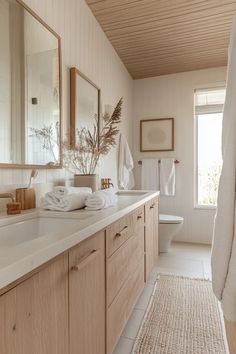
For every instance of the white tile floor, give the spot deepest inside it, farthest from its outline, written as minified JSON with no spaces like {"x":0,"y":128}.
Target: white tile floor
{"x":183,"y":259}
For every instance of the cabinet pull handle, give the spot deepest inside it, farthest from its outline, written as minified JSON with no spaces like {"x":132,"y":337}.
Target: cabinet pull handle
{"x":86,"y":260}
{"x":152,"y":206}
{"x":119,"y":234}
{"x":139,"y":217}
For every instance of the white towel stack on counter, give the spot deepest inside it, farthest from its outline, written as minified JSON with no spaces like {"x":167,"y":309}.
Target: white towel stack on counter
{"x":62,"y":191}
{"x":65,"y":198}
{"x":101,"y":199}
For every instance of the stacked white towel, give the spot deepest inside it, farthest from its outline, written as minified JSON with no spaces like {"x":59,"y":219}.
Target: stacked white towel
{"x":62,"y":191}
{"x":101,"y":199}
{"x":65,"y":198}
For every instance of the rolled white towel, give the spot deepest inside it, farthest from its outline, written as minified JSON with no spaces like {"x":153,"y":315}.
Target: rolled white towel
{"x":101,"y":200}
{"x":62,"y":191}
{"x":67,"y":203}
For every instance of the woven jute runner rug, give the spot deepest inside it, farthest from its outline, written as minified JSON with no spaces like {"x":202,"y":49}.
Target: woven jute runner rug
{"x":183,"y":317}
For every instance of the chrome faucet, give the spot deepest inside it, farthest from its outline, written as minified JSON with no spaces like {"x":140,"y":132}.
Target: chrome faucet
{"x":7,"y":195}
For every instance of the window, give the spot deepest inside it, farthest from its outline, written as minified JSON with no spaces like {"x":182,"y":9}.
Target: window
{"x":209,"y":114}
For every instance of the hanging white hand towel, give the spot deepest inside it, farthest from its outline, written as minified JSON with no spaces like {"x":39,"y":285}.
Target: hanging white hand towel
{"x":224,"y":242}
{"x":125,"y":165}
{"x":150,"y":174}
{"x":167,"y":177}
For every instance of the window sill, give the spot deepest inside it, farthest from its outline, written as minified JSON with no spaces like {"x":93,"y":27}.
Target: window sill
{"x":205,"y":207}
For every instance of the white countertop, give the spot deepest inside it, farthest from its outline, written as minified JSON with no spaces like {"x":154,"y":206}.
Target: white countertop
{"x":21,"y":259}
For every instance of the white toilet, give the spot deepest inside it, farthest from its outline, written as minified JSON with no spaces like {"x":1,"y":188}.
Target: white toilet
{"x":169,"y":225}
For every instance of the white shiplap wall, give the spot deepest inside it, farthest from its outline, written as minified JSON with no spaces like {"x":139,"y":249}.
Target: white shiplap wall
{"x":173,"y":96}
{"x":85,"y":46}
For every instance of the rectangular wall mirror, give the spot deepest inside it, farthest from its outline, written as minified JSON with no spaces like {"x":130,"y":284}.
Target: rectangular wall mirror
{"x":30,"y":86}
{"x":84,"y":103}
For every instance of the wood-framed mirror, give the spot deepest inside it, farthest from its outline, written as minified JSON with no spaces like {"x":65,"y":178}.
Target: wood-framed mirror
{"x":85,"y":103}
{"x":30,"y":108}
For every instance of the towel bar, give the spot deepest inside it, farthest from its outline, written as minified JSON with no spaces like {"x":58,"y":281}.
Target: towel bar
{"x":140,"y":161}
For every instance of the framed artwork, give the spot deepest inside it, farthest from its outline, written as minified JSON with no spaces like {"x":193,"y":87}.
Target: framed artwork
{"x":84,"y":103}
{"x":157,"y":134}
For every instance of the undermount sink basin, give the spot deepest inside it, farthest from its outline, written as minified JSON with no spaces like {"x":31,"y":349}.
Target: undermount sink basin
{"x":28,"y":230}
{"x":131,"y":193}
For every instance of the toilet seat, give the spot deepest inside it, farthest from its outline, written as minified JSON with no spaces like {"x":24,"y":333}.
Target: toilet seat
{"x":170,"y":219}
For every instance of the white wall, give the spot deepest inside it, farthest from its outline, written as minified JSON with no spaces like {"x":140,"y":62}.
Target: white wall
{"x":85,"y":46}
{"x":5,"y":83}
{"x":172,"y":96}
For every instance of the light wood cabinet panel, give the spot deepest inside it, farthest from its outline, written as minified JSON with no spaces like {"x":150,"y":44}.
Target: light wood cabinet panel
{"x":34,"y":314}
{"x":151,"y":235}
{"x":156,"y":229}
{"x":122,"y":264}
{"x":87,"y":296}
{"x":149,"y":238}
{"x":120,"y":310}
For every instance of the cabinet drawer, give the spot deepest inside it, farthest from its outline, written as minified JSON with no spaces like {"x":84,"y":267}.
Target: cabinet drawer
{"x":138,"y":219}
{"x":123,"y":263}
{"x":118,"y":233}
{"x":149,"y":207}
{"x":119,"y":311}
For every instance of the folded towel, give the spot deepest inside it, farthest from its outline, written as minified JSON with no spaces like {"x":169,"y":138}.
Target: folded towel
{"x":101,"y":199}
{"x":61,"y":191}
{"x":167,"y":177}
{"x":70,"y":202}
{"x":150,"y":174}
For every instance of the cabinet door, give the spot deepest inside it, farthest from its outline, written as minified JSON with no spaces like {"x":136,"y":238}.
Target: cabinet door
{"x":149,"y":238}
{"x":156,"y":228}
{"x":34,"y":314}
{"x":119,"y":311}
{"x":87,"y":296}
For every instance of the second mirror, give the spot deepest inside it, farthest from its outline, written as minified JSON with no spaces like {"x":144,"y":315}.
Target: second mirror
{"x":84,"y":104}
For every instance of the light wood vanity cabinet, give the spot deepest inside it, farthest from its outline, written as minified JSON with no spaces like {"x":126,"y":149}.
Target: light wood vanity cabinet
{"x":87,"y":296}
{"x":34,"y":314}
{"x":80,"y":302}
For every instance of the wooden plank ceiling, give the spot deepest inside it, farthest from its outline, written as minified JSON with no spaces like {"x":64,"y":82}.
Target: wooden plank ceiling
{"x":158,"y":37}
